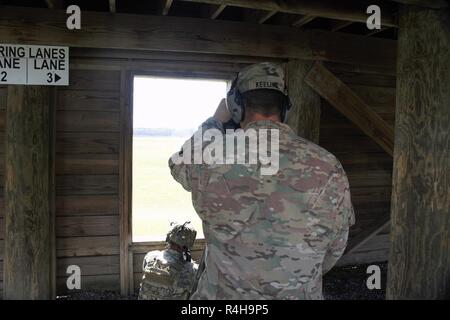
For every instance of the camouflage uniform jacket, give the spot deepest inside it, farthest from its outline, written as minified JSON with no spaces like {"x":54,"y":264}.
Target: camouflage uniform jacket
{"x":167,"y":276}
{"x":270,"y":237}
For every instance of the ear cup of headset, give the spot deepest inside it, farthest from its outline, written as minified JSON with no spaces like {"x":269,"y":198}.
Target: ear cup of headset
{"x":235,"y":104}
{"x":236,"y":108}
{"x":287,"y":104}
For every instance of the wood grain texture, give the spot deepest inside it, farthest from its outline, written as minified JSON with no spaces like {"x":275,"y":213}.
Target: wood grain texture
{"x":87,"y":226}
{"x":90,"y":164}
{"x":304,"y":117}
{"x":83,"y":205}
{"x":86,"y":121}
{"x":87,"y":246}
{"x":90,"y":266}
{"x":28,"y":186}
{"x":419,"y":264}
{"x":125,"y":182}
{"x":87,"y":185}
{"x":106,"y":282}
{"x":87,"y":100}
{"x":351,"y":11}
{"x":354,"y":108}
{"x":87,"y":143}
{"x":125,"y":31}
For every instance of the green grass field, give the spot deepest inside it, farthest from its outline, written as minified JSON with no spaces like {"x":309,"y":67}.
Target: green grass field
{"x":157,"y":198}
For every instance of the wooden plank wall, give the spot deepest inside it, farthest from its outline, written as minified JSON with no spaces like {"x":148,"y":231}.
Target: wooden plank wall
{"x":87,"y":178}
{"x":3,"y":97}
{"x":368,"y":167}
{"x":87,"y":164}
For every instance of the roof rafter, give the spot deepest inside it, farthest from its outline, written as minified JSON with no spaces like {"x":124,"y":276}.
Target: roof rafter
{"x":164,"y":7}
{"x":350,"y":11}
{"x":55,"y":4}
{"x":216,"y":10}
{"x":31,"y":25}
{"x":303,"y":20}
{"x":112,"y":6}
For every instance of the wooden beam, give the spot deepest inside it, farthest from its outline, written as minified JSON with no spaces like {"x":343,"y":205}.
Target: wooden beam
{"x":112,"y":6}
{"x":266,"y":16}
{"x":436,"y":4}
{"x":125,"y":181}
{"x":42,"y":26}
{"x":340,"y":96}
{"x":216,"y":10}
{"x":164,"y":7}
{"x":369,"y":232}
{"x":338,"y":25}
{"x":55,"y":4}
{"x":376,"y":31}
{"x":302,"y":21}
{"x":29,"y":182}
{"x":258,"y":16}
{"x":304,"y":117}
{"x":346,"y":10}
{"x":419,"y":263}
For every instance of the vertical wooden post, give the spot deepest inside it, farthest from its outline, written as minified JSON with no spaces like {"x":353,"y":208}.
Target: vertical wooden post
{"x":419,"y":265}
{"x":125,"y":182}
{"x":29,"y":225}
{"x":304,"y":117}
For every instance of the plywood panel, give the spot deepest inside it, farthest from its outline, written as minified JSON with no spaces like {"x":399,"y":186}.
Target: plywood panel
{"x":89,"y":100}
{"x":73,"y":205}
{"x":3,"y":97}
{"x":90,"y":265}
{"x":94,"y":282}
{"x":87,"y":246}
{"x":87,"y":185}
{"x":103,"y":80}
{"x":85,"y":121}
{"x":2,"y":229}
{"x":87,"y":226}
{"x":86,"y":143}
{"x":90,"y":164}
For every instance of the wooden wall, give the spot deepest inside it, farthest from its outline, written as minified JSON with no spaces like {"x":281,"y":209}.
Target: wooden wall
{"x":3,"y":96}
{"x":87,"y":177}
{"x":88,"y":147}
{"x":368,"y":167}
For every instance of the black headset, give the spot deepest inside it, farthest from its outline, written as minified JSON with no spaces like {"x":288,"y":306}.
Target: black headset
{"x":235,"y":104}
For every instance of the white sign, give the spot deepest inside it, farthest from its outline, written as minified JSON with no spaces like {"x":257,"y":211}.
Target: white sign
{"x":34,"y":65}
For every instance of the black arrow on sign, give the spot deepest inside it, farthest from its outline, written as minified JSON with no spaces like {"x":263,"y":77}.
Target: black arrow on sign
{"x":57,"y":77}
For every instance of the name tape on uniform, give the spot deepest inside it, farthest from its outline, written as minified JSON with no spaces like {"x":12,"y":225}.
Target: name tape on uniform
{"x":34,"y":65}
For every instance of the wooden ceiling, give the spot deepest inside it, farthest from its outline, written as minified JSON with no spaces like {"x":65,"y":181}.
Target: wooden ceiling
{"x":347,"y":16}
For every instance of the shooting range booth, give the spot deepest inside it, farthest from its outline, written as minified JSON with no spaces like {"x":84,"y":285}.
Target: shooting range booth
{"x":378,"y":99}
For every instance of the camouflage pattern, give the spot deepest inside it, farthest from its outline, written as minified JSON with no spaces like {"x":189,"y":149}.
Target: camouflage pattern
{"x":270,"y":237}
{"x":167,"y":276}
{"x":182,"y":235}
{"x":265,"y":75}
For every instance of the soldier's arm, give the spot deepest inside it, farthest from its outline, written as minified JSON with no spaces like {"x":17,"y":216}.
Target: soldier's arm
{"x":345,"y":218}
{"x":336,"y":249}
{"x":181,"y":169}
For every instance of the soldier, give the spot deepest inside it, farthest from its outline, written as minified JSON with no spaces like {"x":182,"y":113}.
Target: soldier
{"x":169,"y":274}
{"x":267,"y":237}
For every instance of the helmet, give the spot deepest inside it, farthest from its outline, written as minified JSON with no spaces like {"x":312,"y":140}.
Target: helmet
{"x":265,"y":75}
{"x":181,"y":235}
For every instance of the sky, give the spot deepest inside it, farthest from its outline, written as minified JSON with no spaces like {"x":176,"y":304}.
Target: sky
{"x":175,"y":103}
{"x":169,"y":104}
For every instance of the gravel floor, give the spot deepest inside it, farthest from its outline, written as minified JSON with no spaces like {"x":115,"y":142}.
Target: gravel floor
{"x":346,"y":283}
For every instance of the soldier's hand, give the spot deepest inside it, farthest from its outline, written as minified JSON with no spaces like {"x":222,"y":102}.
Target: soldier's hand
{"x":222,"y":114}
